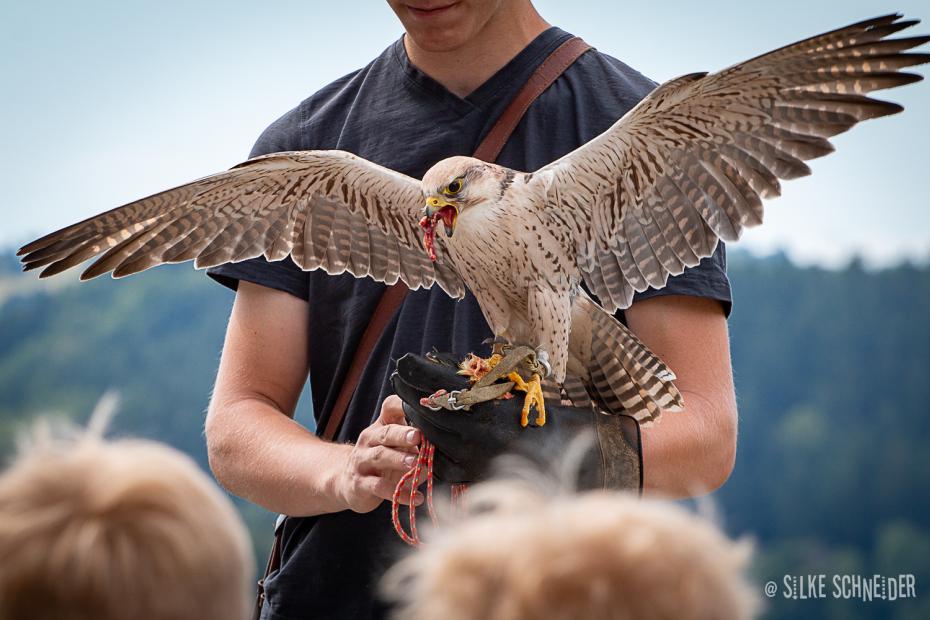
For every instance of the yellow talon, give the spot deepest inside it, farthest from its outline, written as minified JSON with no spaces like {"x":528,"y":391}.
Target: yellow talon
{"x":475,"y":368}
{"x":534,"y":397}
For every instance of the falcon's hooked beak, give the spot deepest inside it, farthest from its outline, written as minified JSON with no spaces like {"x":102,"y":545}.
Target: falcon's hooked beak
{"x":438,"y":208}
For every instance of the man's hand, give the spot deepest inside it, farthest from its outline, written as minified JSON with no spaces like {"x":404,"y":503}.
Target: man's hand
{"x":383,"y":453}
{"x":259,"y":452}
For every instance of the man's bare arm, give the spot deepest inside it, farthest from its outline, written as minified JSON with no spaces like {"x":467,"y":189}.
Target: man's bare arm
{"x":691,"y":452}
{"x":259,"y":452}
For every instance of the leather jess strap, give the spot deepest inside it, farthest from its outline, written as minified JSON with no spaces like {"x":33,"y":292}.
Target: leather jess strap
{"x":490,"y":147}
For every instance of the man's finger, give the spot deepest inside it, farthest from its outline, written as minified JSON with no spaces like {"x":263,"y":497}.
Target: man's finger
{"x":394,"y":436}
{"x":384,"y":459}
{"x":384,"y":488}
{"x":392,"y":411}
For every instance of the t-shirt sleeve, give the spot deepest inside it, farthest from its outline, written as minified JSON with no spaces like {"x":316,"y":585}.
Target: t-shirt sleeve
{"x":280,"y":275}
{"x":283,"y":275}
{"x":706,"y":279}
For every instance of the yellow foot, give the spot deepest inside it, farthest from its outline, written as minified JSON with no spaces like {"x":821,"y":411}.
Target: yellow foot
{"x":534,"y":398}
{"x":475,"y":367}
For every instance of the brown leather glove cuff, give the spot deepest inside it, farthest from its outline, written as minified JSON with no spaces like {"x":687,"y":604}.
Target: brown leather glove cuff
{"x":619,"y":446}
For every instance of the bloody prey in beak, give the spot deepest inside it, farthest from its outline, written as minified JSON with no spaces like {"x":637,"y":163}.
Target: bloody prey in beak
{"x":448,"y":214}
{"x":428,"y":224}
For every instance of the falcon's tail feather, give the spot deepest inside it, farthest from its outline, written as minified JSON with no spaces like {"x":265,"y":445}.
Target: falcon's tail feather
{"x":622,"y":374}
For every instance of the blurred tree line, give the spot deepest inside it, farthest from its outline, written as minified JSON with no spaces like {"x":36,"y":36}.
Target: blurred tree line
{"x":832,"y":372}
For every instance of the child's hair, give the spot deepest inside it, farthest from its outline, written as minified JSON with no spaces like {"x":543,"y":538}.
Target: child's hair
{"x":608,"y":556}
{"x":123,"y":529}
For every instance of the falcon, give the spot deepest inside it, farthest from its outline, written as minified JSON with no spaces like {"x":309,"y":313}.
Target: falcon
{"x":688,"y":166}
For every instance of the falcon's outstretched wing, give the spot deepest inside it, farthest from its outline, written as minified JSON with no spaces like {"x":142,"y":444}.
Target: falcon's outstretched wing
{"x":329,"y":210}
{"x":692,"y":161}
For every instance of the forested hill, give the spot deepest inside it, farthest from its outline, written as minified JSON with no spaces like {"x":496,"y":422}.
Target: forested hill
{"x":832,"y":370}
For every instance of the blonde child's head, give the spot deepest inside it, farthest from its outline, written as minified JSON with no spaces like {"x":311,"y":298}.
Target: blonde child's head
{"x":91,"y":528}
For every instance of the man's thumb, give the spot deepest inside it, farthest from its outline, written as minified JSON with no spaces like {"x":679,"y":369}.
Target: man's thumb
{"x":392,"y":410}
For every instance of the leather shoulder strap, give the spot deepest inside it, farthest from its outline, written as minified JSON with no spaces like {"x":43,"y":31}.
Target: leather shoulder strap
{"x":548,"y":72}
{"x":490,"y":147}
{"x":387,"y":306}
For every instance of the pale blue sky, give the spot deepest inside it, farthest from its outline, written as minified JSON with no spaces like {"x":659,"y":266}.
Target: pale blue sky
{"x":106,"y":102}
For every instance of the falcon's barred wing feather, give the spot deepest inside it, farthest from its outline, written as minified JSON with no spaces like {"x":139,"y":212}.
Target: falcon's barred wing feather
{"x":693,"y":160}
{"x":329,"y":210}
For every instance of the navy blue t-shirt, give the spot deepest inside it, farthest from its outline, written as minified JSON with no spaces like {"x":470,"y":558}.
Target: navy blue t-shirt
{"x":393,"y":114}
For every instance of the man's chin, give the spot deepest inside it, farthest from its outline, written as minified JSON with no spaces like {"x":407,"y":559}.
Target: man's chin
{"x":435,"y":40}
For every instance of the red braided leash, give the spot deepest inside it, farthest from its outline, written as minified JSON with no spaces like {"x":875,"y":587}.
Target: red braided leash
{"x":423,"y":465}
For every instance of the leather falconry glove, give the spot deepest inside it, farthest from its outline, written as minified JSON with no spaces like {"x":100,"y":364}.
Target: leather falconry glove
{"x":467,"y":441}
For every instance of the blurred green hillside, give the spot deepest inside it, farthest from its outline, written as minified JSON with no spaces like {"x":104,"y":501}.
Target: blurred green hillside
{"x":832,"y":371}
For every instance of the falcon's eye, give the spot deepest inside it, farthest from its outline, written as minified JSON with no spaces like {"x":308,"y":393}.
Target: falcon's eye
{"x":453,"y":188}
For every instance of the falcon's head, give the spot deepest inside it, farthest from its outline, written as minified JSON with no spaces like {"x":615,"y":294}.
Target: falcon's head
{"x":453,"y":186}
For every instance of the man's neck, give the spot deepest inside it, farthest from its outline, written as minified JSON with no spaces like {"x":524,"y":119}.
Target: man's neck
{"x":466,"y":68}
